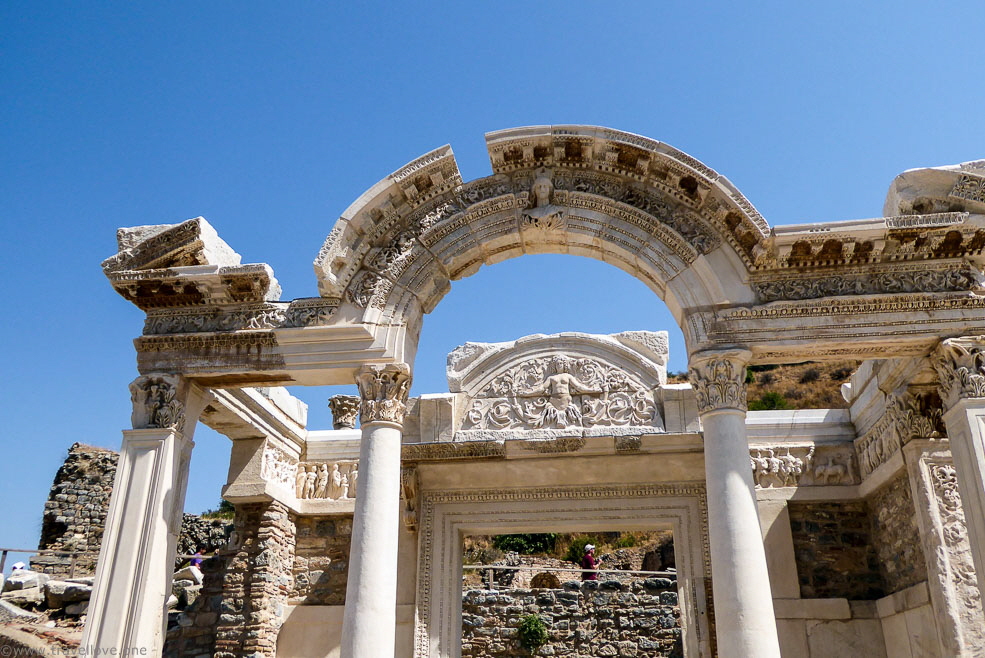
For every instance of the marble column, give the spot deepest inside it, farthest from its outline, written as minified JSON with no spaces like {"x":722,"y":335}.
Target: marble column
{"x":136,"y":560}
{"x":744,"y":621}
{"x":960,"y":365}
{"x":371,"y":594}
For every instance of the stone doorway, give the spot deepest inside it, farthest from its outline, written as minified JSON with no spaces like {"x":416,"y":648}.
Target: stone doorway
{"x":447,"y":517}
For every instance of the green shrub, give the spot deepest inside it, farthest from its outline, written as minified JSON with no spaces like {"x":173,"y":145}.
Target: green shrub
{"x":750,"y":377}
{"x":532,"y":633}
{"x":625,"y":541}
{"x":576,"y":551}
{"x":769,"y":401}
{"x":526,"y":544}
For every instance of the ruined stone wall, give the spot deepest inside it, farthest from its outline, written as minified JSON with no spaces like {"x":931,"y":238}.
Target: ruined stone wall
{"x":75,"y":512}
{"x":833,"y":548}
{"x":896,"y":536}
{"x":75,"y":515}
{"x":321,"y":562}
{"x":591,"y":618}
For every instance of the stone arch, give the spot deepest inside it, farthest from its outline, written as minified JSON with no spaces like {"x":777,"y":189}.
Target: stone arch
{"x":643,"y":206}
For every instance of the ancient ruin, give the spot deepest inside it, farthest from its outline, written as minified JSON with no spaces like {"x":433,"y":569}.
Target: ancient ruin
{"x":797,"y":533}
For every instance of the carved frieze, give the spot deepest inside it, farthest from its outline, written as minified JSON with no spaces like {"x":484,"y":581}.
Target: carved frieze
{"x":803,"y":465}
{"x":344,"y":408}
{"x":326,"y":480}
{"x":558,"y":392}
{"x":409,"y":492}
{"x":383,"y":391}
{"x":906,"y":417}
{"x":719,"y":379}
{"x":156,"y":402}
{"x":278,"y":466}
{"x":930,"y":279}
{"x":960,"y":366}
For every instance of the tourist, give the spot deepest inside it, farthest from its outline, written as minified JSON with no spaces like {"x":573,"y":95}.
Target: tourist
{"x":589,"y":562}
{"x":197,"y":560}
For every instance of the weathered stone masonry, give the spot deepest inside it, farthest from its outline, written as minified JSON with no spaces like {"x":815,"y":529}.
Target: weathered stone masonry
{"x":591,"y":618}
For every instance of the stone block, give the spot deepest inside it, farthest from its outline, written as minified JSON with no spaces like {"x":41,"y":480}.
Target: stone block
{"x":24,"y":579}
{"x":77,"y":609}
{"x":12,"y":612}
{"x":58,"y":593}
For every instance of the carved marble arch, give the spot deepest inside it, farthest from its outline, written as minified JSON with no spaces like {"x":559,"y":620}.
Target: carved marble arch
{"x":647,"y":208}
{"x":858,"y":289}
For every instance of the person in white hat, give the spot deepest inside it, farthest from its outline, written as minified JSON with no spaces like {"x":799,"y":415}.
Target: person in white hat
{"x":589,"y":562}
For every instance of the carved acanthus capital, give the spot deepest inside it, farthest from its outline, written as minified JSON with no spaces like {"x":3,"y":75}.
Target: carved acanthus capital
{"x":383,"y":390}
{"x":960,"y":366}
{"x":719,"y":379}
{"x":344,"y":409}
{"x":158,"y":401}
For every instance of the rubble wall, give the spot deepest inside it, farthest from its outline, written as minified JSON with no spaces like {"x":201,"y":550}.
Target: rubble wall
{"x":591,"y":618}
{"x":75,"y":515}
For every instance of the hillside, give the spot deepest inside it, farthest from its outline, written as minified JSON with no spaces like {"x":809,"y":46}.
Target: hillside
{"x":797,"y":386}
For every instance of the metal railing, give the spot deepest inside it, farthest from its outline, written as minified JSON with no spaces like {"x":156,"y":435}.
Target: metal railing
{"x":73,"y":555}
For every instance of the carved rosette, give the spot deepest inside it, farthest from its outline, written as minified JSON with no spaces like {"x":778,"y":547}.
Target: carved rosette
{"x":344,"y":409}
{"x":156,"y":402}
{"x":383,"y":391}
{"x":960,"y":366}
{"x":719,"y":379}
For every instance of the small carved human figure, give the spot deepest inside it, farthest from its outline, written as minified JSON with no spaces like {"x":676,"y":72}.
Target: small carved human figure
{"x":321,"y":486}
{"x":299,"y":481}
{"x":353,"y":476}
{"x":345,"y":486}
{"x":335,"y":491}
{"x":542,"y":213}
{"x":561,"y":411}
{"x":309,"y":482}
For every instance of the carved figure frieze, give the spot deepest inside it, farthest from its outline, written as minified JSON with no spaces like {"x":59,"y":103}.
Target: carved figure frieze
{"x":960,"y":366}
{"x":719,"y":380}
{"x":409,"y":492}
{"x":803,"y":465}
{"x":383,"y":391}
{"x":558,"y":392}
{"x":326,"y":481}
{"x":344,"y":408}
{"x":277,"y":466}
{"x":156,"y":402}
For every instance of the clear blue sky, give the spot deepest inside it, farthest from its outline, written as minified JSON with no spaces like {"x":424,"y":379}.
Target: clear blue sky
{"x":270,"y":119}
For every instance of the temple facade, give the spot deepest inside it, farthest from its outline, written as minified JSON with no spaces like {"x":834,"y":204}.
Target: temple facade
{"x":805,"y":533}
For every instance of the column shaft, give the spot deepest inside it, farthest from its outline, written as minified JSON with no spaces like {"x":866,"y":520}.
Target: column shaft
{"x":744,"y":620}
{"x":745,"y":625}
{"x":369,"y":621}
{"x":136,"y":560}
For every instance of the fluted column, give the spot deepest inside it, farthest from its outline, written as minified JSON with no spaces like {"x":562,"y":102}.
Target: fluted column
{"x":960,"y":365}
{"x":136,"y":560}
{"x":371,"y":593}
{"x":744,"y":620}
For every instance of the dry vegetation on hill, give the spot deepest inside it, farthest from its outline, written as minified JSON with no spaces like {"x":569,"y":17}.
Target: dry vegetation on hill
{"x":797,"y":386}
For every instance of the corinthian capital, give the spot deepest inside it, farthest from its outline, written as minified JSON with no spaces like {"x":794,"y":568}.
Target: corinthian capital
{"x":960,"y":366}
{"x":719,"y":379}
{"x":383,"y":390}
{"x":344,"y":409}
{"x":158,"y":401}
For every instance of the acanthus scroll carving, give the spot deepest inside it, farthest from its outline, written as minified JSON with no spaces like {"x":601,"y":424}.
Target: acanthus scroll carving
{"x":954,"y":532}
{"x":156,"y":402}
{"x":907,"y":416}
{"x":960,"y":366}
{"x":383,"y":391}
{"x":719,"y":380}
{"x":559,"y":392}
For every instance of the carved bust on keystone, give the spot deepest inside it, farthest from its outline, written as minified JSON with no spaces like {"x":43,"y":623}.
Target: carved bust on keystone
{"x":542,"y":213}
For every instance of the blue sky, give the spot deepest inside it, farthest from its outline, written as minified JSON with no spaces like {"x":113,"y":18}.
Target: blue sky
{"x":270,"y":119}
